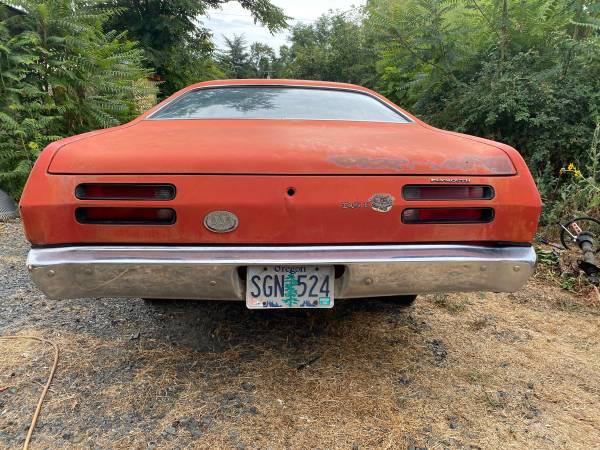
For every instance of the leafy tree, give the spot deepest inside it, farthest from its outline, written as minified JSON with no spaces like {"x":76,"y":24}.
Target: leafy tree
{"x":334,"y":48}
{"x":235,"y":59}
{"x":183,"y":67}
{"x":61,"y":74}
{"x":239,"y":61}
{"x":281,"y":62}
{"x":262,"y":59}
{"x":514,"y":71}
{"x":176,"y":45}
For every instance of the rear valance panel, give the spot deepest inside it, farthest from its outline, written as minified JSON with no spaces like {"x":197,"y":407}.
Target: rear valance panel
{"x":271,"y":210}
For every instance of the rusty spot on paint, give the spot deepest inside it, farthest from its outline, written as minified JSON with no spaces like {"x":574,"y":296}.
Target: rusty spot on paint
{"x":364,"y":162}
{"x":488,"y":164}
{"x":493,"y":164}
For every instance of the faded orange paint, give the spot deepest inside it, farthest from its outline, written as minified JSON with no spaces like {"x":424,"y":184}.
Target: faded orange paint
{"x":247,"y":166}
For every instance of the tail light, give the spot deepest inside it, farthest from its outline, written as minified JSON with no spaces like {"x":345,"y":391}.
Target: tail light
{"x":447,"y":215}
{"x":447,"y":192}
{"x":125,"y":216}
{"x":125,"y":191}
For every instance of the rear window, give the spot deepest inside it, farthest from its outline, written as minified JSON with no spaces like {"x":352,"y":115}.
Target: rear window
{"x":264,"y":102}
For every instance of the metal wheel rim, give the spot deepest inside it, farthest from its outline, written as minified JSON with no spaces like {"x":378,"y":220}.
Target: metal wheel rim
{"x":566,"y":240}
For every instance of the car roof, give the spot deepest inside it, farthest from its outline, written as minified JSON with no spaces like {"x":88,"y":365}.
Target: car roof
{"x":276,"y":82}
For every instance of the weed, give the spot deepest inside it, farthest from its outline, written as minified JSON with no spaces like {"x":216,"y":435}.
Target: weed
{"x":474,"y":376}
{"x":567,"y":304}
{"x":495,"y":401}
{"x":440,"y":299}
{"x":445,"y":301}
{"x":547,"y":257}
{"x":568,"y":282}
{"x":479,"y":323}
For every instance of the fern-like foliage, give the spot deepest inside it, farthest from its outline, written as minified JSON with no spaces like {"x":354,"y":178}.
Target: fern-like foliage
{"x":28,"y":115}
{"x":61,"y":74}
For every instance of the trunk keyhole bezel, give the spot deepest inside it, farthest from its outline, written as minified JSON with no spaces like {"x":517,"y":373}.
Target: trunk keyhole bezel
{"x":291,"y":191}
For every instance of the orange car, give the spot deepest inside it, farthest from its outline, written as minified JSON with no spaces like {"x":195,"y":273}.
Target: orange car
{"x":282,"y":193}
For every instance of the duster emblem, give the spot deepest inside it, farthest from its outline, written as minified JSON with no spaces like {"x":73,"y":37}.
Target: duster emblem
{"x":221,"y":221}
{"x":381,"y":202}
{"x":450,"y":180}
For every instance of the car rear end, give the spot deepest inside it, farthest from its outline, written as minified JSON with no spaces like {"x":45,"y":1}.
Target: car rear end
{"x":228,"y":209}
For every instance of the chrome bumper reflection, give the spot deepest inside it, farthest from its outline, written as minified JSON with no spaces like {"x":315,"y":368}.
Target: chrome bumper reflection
{"x":213,"y":272}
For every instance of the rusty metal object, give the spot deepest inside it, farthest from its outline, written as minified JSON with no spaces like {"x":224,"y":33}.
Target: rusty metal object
{"x":588,"y":264}
{"x":582,"y":233}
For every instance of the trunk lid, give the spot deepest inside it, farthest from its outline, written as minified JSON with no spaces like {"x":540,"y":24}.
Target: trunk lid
{"x":283,"y":147}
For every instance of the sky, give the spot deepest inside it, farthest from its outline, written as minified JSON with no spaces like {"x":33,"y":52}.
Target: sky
{"x":233,"y":19}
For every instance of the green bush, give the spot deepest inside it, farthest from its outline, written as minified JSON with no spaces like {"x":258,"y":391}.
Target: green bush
{"x":578,"y":190}
{"x":520,"y":72}
{"x":61,"y":74}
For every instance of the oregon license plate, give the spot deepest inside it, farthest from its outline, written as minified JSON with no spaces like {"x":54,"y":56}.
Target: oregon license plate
{"x":289,"y":287}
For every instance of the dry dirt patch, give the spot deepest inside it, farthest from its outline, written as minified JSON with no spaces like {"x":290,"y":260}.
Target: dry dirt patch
{"x":457,"y":371}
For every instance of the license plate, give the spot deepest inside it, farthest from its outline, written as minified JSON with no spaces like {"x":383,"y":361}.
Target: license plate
{"x":289,"y":287}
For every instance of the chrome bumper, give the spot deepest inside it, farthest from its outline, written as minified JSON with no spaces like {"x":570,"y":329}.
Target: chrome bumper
{"x":213,"y":272}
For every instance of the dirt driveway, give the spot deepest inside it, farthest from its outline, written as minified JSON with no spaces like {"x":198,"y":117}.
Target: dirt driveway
{"x":458,"y":371}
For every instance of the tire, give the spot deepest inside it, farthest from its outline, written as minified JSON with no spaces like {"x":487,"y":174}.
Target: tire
{"x":169,"y":301}
{"x":157,"y":301}
{"x":403,"y":300}
{"x":8,"y":208}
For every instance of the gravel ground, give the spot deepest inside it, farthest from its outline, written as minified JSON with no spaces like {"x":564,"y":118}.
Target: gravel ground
{"x":452,"y":371}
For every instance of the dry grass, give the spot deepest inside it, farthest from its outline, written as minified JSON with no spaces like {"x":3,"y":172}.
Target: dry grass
{"x":24,"y":367}
{"x":501,"y":371}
